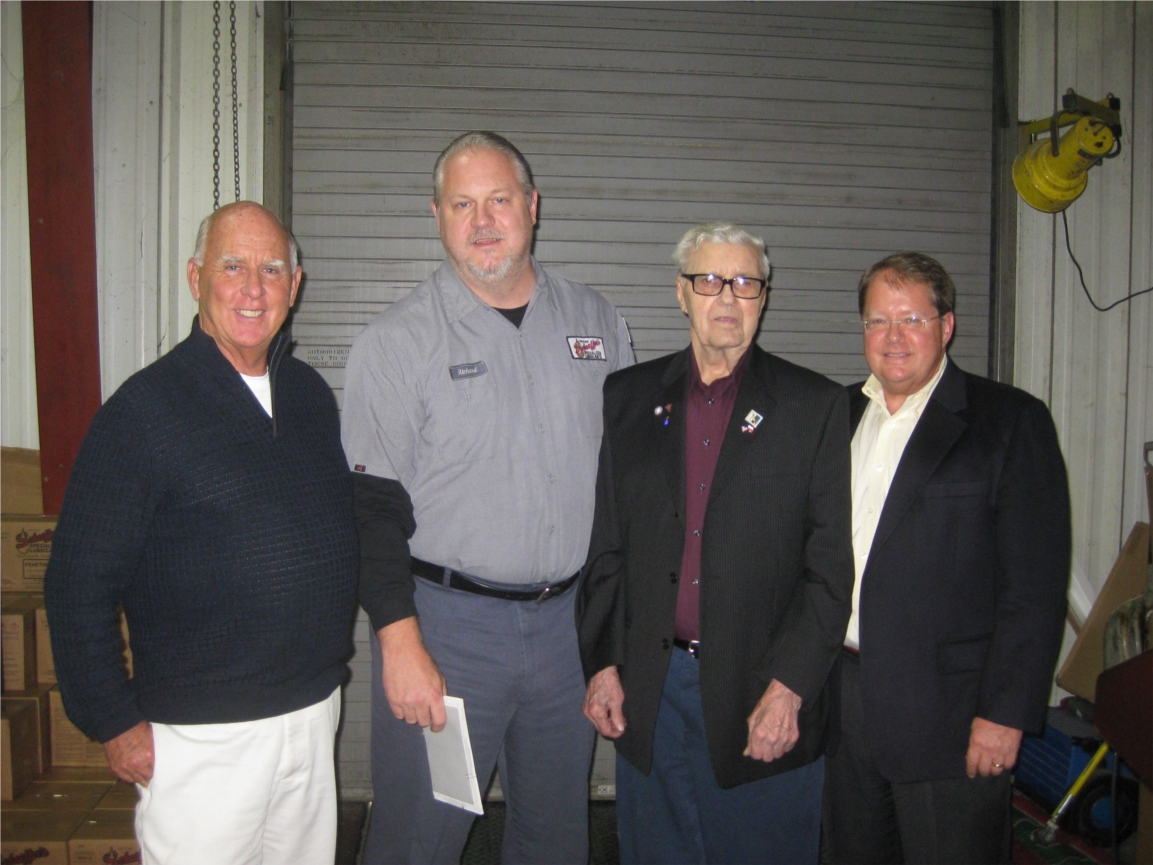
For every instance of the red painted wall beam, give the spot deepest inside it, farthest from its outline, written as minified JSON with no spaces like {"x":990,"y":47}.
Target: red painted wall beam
{"x":62,"y":231}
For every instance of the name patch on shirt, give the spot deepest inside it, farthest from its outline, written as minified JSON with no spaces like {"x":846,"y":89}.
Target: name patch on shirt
{"x":587,"y":347}
{"x":467,"y":370}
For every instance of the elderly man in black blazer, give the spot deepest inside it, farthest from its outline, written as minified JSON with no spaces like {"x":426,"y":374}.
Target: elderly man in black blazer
{"x":718,"y":584}
{"x":961,"y":537}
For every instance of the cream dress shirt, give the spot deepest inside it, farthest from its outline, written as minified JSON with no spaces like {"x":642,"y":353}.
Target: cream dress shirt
{"x":877,"y":447}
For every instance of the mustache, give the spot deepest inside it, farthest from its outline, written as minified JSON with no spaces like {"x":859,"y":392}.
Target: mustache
{"x":485,"y":234}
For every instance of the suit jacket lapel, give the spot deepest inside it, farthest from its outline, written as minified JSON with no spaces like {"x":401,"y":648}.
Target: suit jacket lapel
{"x":671,"y":439}
{"x":858,"y":402}
{"x":936,"y":432}
{"x":755,"y":394}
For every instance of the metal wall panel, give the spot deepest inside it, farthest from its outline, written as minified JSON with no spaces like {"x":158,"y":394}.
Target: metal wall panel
{"x":838,"y":132}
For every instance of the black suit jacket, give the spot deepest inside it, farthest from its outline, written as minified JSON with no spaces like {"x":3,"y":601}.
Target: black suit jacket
{"x":776,"y":563}
{"x":963,"y":599}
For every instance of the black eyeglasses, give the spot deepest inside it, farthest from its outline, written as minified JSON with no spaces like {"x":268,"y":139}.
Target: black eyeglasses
{"x":710,"y":285}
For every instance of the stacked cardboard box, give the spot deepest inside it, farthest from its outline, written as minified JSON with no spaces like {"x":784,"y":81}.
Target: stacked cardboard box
{"x":62,"y":804}
{"x":18,"y":640}
{"x":62,"y":822}
{"x":37,"y":732}
{"x":18,"y":744}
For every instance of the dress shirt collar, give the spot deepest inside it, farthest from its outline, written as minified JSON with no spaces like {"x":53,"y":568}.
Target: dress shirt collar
{"x":459,"y":299}
{"x":914,"y":403}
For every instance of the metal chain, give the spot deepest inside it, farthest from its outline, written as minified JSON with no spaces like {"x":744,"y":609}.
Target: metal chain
{"x":235,"y":104}
{"x":215,"y":104}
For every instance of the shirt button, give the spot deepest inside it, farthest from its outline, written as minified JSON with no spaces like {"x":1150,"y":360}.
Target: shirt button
{"x":879,"y":468}
{"x":541,"y":428}
{"x":672,"y":576}
{"x":552,"y":479}
{"x":696,"y":582}
{"x":710,"y":402}
{"x":702,"y":486}
{"x":697,"y":532}
{"x":706,"y":442}
{"x":551,"y":529}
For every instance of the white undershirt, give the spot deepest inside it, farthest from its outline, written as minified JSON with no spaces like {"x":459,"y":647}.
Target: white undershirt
{"x":261,"y":389}
{"x":878,"y":445}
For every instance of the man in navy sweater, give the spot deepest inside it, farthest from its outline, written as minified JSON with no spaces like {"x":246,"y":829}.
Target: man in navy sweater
{"x":211,"y":500}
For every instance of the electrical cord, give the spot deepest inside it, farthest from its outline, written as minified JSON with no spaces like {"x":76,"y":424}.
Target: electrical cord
{"x":1081,"y":274}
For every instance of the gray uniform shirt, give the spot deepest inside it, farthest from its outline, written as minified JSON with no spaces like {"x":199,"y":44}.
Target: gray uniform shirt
{"x":492,"y":429}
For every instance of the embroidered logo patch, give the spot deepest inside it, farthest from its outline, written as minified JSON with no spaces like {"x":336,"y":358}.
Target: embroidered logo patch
{"x":467,"y":370}
{"x":359,"y":468}
{"x":587,"y":347}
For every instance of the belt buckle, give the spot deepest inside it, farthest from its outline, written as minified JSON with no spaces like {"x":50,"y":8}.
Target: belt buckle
{"x":695,"y":648}
{"x":544,"y":595}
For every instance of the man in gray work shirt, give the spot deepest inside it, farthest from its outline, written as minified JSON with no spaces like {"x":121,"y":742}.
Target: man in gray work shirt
{"x":479,"y":396}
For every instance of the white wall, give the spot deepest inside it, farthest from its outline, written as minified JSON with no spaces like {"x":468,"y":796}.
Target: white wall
{"x":1092,"y":368}
{"x":152,"y":125}
{"x":18,"y":421}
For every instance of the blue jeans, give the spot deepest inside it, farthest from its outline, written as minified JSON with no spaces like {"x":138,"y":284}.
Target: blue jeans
{"x":678,"y":813}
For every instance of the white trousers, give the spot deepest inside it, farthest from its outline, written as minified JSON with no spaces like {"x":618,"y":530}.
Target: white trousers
{"x":252,"y":793}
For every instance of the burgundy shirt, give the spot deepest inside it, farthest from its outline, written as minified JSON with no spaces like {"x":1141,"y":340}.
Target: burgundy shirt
{"x":707,"y":411}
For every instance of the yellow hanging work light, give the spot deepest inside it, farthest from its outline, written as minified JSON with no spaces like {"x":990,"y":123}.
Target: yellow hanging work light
{"x":1051,"y":172}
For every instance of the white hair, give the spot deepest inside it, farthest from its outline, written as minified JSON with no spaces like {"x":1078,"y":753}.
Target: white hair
{"x":720,"y":232}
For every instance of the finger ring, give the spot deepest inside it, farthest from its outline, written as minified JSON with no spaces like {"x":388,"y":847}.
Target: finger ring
{"x":998,"y":765}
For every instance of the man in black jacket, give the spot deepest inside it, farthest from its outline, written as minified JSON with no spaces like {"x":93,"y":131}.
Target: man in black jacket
{"x":718,"y":581}
{"x":961,"y":536}
{"x":211,"y":499}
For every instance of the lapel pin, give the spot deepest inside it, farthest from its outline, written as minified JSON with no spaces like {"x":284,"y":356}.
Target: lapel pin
{"x":752,"y":421}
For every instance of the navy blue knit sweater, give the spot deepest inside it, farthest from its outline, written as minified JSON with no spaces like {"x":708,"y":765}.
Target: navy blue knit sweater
{"x":229,"y":541}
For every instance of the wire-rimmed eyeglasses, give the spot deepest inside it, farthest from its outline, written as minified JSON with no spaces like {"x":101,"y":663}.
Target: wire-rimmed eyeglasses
{"x":710,"y":285}
{"x":911,"y":322}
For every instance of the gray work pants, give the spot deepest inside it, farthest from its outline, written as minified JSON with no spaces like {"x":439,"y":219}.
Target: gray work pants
{"x":517,"y":667}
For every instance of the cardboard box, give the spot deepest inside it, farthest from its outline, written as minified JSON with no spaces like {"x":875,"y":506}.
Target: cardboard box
{"x":45,"y":667}
{"x":121,"y":796}
{"x":18,"y":640}
{"x":70,"y":747}
{"x":95,"y":775}
{"x":18,"y":744}
{"x":1086,"y":659}
{"x":25,"y":544}
{"x":58,"y":796}
{"x":37,"y":698}
{"x":99,"y":841}
{"x":37,"y":837}
{"x":21,"y":484}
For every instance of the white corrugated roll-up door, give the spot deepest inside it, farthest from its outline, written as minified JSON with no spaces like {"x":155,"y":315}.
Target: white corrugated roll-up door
{"x":838,"y":132}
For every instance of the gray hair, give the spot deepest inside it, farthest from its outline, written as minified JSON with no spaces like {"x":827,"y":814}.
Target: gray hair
{"x":917,"y":268}
{"x":210,"y":220}
{"x":481,"y":140}
{"x":720,"y":232}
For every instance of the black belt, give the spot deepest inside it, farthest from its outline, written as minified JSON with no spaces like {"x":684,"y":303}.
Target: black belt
{"x":693,"y":647}
{"x":456,"y":580}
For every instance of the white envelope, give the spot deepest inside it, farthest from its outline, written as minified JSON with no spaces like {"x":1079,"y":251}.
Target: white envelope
{"x":450,"y":760}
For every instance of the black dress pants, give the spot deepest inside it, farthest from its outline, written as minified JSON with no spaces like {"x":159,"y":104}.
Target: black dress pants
{"x":868,"y":819}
